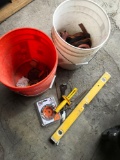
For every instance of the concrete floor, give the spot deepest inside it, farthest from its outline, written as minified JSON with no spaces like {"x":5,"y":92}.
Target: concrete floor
{"x":22,"y":137}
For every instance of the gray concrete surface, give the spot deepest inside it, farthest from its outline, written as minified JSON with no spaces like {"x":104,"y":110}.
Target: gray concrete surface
{"x":22,"y":137}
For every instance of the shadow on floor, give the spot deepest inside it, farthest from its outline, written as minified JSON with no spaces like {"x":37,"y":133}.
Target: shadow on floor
{"x":107,"y":151}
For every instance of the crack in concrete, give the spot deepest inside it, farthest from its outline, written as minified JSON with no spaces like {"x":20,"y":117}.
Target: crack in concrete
{"x":112,"y":16}
{"x":114,"y":13}
{"x":114,"y":23}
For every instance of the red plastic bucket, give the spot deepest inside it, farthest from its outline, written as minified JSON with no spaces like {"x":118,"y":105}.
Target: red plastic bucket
{"x":21,"y":48}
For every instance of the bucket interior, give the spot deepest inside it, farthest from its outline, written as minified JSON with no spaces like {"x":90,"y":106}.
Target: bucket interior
{"x":73,"y":12}
{"x":22,"y":50}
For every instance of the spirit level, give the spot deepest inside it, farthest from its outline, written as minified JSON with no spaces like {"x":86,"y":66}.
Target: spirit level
{"x":79,"y":108}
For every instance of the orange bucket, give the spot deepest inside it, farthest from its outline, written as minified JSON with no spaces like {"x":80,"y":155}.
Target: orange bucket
{"x":23,"y":49}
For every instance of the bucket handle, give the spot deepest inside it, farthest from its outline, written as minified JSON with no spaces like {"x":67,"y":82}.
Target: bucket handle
{"x":81,"y":63}
{"x":88,"y":61}
{"x":52,"y":81}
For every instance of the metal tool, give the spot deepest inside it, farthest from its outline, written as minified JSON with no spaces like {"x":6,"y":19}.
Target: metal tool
{"x":66,"y":100}
{"x":79,"y":108}
{"x":63,"y":88}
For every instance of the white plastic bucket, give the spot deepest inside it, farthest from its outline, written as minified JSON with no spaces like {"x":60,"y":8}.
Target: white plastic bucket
{"x":67,"y":16}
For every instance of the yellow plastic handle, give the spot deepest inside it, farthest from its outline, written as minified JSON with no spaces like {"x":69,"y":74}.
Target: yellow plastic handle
{"x":61,"y":105}
{"x":72,"y":93}
{"x":66,"y":100}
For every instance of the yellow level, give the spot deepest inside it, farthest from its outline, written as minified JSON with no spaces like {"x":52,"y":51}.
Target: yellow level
{"x":79,"y":108}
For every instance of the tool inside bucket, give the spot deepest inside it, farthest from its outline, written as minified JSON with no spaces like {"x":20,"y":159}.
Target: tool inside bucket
{"x":31,"y":73}
{"x":80,"y":39}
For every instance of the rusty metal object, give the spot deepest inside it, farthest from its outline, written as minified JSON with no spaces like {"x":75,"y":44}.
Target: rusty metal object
{"x":84,"y":46}
{"x":64,"y":35}
{"x":83,"y":41}
{"x":77,"y":38}
{"x":80,"y":39}
{"x":37,"y":74}
{"x":83,"y":28}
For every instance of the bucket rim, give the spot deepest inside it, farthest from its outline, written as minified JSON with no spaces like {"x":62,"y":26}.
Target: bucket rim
{"x":53,"y":68}
{"x":23,"y":28}
{"x":92,"y":48}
